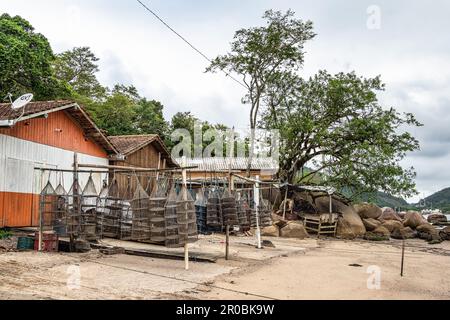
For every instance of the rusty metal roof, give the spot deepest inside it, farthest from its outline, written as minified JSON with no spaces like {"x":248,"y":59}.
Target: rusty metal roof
{"x":129,"y":144}
{"x":76,"y":112}
{"x":223,"y":163}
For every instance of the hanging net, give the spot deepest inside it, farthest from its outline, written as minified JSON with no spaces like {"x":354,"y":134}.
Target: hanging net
{"x":200,"y":212}
{"x":242,"y":206}
{"x":88,"y":218}
{"x":48,"y":206}
{"x":73,"y":217}
{"x":158,"y":200}
{"x":60,"y":219}
{"x":264,"y":214}
{"x":187,"y":222}
{"x":228,"y":209}
{"x":140,"y":230}
{"x":171,"y":220}
{"x":213,"y":217}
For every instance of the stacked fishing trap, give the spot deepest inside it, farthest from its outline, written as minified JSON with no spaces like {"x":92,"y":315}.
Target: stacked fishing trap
{"x":186,"y":218}
{"x":200,"y":211}
{"x":141,"y":214}
{"x":213,"y":215}
{"x":172,"y":236}
{"x":157,"y":204}
{"x":228,"y":209}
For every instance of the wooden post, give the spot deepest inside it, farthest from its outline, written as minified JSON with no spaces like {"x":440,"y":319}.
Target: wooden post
{"x":159,"y":165}
{"x":75,"y":197}
{"x":403,"y":258}
{"x":41,"y":226}
{"x":256,"y":196}
{"x":285,"y":200}
{"x":186,"y":248}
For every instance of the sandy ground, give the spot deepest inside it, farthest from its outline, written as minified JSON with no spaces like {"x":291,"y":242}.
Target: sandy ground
{"x":294,"y":269}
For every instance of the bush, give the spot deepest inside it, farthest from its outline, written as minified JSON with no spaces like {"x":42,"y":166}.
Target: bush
{"x":5,"y":234}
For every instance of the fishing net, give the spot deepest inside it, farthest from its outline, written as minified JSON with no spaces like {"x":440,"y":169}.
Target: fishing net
{"x":88,"y":216}
{"x":73,"y":217}
{"x":187,"y":222}
{"x":48,"y":206}
{"x":140,"y":206}
{"x":228,"y":209}
{"x":213,"y":217}
{"x":171,"y":220}
{"x":200,"y":211}
{"x":264,"y":214}
{"x":157,"y":204}
{"x":110,"y":209}
{"x":60,"y":219}
{"x":242,"y":206}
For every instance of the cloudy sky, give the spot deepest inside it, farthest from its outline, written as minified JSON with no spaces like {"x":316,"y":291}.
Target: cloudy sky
{"x":408,"y":46}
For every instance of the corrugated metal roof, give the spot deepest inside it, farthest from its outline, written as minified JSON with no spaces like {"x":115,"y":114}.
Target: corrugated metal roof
{"x":223,"y":163}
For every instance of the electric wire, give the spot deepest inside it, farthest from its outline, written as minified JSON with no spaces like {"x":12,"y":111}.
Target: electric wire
{"x":187,"y":42}
{"x":183,"y":280}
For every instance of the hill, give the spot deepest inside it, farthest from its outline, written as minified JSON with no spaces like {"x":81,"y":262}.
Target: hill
{"x":439,"y":200}
{"x":383,"y":199}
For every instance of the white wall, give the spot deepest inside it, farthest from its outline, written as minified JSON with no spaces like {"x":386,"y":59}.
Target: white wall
{"x":19,"y":157}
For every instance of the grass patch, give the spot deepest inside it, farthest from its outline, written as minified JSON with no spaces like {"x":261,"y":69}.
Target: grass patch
{"x":5,"y":234}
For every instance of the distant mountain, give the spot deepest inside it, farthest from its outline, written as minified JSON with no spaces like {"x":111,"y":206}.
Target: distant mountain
{"x":439,"y":200}
{"x":383,"y":199}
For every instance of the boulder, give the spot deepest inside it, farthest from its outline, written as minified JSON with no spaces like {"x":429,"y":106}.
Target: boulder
{"x":389,"y":214}
{"x":401,"y":214}
{"x":350,"y":225}
{"x":413,"y":219}
{"x":383,"y":231}
{"x":278,"y":220}
{"x":403,"y":233}
{"x":445,"y":233}
{"x":371,"y":224}
{"x":427,"y":232}
{"x":392,"y":225}
{"x":270,"y":231}
{"x":437,"y":218}
{"x":371,"y":236}
{"x":368,"y":210}
{"x":294,"y":230}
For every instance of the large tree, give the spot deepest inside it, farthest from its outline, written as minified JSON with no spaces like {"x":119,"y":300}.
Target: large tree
{"x":78,"y":67}
{"x":258,"y":54}
{"x":25,"y":61}
{"x":335,"y":125}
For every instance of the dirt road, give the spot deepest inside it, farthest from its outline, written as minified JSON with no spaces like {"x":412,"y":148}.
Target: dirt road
{"x":321,"y":270}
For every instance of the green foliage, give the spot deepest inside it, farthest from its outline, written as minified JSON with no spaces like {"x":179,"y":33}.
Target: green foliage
{"x":258,"y":54}
{"x":5,"y":234}
{"x":78,"y":67}
{"x":25,"y":61}
{"x":186,"y":120}
{"x":334,"y":124}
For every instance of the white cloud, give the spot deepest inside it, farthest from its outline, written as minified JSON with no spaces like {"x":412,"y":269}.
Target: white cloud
{"x":410,"y":52}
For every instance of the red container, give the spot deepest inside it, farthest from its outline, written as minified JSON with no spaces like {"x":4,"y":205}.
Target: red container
{"x":50,"y":242}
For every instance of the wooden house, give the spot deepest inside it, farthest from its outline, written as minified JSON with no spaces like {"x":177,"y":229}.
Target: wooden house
{"x":46,"y":135}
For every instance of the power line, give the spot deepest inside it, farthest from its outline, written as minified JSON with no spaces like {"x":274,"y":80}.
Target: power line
{"x":187,"y":42}
{"x":183,"y":280}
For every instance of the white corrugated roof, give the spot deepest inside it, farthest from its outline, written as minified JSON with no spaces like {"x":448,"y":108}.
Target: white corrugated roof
{"x":223,"y":163}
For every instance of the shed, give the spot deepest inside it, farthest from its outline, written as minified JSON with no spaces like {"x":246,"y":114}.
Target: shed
{"x":218,"y":167}
{"x":142,"y":151}
{"x":47,"y":136}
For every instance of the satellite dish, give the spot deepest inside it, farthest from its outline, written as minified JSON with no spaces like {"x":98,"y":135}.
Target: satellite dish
{"x":22,"y":101}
